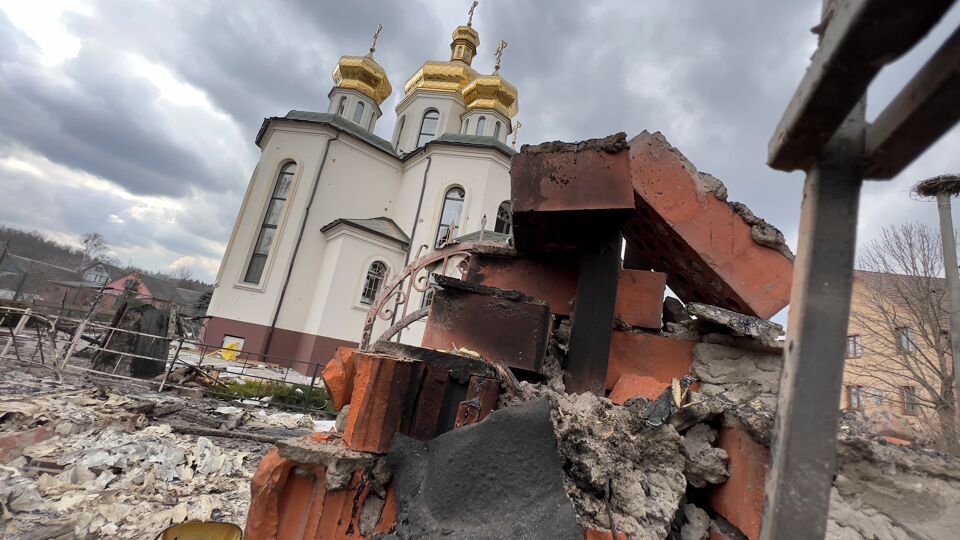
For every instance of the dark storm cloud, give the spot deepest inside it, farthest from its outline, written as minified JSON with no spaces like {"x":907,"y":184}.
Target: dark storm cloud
{"x":714,"y":77}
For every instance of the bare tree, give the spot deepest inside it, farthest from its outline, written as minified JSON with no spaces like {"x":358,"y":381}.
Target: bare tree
{"x":94,"y":245}
{"x":899,"y":306}
{"x":182,"y":275}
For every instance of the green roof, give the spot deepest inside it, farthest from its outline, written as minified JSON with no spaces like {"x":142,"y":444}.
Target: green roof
{"x":380,"y":226}
{"x":335,"y":121}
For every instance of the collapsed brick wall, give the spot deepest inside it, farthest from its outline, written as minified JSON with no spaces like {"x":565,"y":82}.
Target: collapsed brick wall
{"x":672,"y":440}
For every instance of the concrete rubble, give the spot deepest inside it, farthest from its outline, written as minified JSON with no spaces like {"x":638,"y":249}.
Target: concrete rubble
{"x":82,"y":460}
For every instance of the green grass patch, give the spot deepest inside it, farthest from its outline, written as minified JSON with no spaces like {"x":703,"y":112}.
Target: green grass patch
{"x":294,"y":395}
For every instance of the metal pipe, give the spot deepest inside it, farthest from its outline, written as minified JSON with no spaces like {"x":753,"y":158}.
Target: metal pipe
{"x":293,"y":257}
{"x":416,"y":218}
{"x":953,"y":282}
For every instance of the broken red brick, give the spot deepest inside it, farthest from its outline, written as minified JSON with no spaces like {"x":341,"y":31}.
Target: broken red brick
{"x":682,"y":228}
{"x":338,"y":376}
{"x":263,"y":518}
{"x":498,"y":328}
{"x":553,"y":281}
{"x":649,"y":355}
{"x":603,"y":534}
{"x":895,"y":440}
{"x":629,"y":386}
{"x":640,"y":298}
{"x":388,"y":518}
{"x":740,"y":499}
{"x":377,"y":405}
{"x":483,"y":395}
{"x":12,"y":444}
{"x":426,"y":419}
{"x":564,"y":192}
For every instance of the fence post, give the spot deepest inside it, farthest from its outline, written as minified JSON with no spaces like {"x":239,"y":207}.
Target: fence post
{"x":68,"y":353}
{"x":172,"y":363}
{"x":16,"y":332}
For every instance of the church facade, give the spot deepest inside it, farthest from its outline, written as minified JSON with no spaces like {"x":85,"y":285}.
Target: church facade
{"x":332,"y":210}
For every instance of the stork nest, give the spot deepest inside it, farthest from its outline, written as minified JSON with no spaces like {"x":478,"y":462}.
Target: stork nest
{"x":944,"y":183}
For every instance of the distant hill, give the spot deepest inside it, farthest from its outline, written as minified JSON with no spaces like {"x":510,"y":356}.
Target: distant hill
{"x":37,"y":246}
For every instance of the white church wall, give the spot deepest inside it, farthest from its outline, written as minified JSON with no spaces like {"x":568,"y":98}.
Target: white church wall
{"x":349,"y":100}
{"x":357,"y":182}
{"x":471,"y":120}
{"x":413,"y":107}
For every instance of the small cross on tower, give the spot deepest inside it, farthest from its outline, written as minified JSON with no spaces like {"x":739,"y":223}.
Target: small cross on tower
{"x":472,"y":9}
{"x":376,"y":36}
{"x":499,"y":53}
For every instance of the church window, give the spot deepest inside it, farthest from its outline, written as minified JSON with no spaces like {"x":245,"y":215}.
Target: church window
{"x":504,"y":222}
{"x":342,"y":105}
{"x":496,"y":130}
{"x":466,"y":126}
{"x":449,"y":216}
{"x":358,"y":112}
{"x":268,"y":229}
{"x":373,"y":282}
{"x":428,"y":127}
{"x":481,"y":123}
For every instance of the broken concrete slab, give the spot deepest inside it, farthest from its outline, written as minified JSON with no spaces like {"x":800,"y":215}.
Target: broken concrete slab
{"x":339,"y":461}
{"x":705,"y":464}
{"x":768,"y":333}
{"x":684,"y":227}
{"x":500,"y":478}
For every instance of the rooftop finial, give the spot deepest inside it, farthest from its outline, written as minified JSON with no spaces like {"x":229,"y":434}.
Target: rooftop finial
{"x":472,"y":9}
{"x":499,"y":53}
{"x":376,"y":36}
{"x":516,"y":128}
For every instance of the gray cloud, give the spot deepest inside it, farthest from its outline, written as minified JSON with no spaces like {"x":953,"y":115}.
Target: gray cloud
{"x":713,"y":77}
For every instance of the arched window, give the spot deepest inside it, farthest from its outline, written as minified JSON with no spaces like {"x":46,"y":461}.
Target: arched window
{"x":342,"y":105}
{"x":400,"y":130}
{"x":372,"y":283}
{"x":466,"y":126}
{"x":504,"y":218}
{"x":358,"y":112}
{"x":496,"y":130}
{"x":268,"y":228}
{"x":450,"y":216}
{"x":428,"y":127}
{"x":481,"y":123}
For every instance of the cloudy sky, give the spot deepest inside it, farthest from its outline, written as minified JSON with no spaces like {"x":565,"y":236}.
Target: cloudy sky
{"x":137,"y":119}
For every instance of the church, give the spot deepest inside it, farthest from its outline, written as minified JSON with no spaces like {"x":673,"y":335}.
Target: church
{"x":332,"y":210}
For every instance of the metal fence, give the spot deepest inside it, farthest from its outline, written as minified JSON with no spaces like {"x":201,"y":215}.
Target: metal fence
{"x":64,"y":344}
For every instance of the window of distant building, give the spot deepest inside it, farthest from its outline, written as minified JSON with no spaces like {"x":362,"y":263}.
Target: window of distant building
{"x":855,"y":396}
{"x":342,"y":105}
{"x":854,"y":346}
{"x":96,"y":274}
{"x":504,"y":223}
{"x":358,"y":112}
{"x":428,"y":127}
{"x":431,"y":290}
{"x":911,"y":402}
{"x":496,"y":130}
{"x":449,"y":216}
{"x":481,"y":124}
{"x":268,"y":228}
{"x":905,"y":343}
{"x":373,"y":282}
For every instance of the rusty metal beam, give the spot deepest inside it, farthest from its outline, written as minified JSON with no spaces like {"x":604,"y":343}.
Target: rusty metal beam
{"x":859,"y":37}
{"x":804,"y":447}
{"x":920,"y":114}
{"x":593,"y":316}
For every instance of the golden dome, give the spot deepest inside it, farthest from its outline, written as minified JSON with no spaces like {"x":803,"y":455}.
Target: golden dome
{"x":439,"y":76}
{"x":492,"y":92}
{"x":363,"y":74}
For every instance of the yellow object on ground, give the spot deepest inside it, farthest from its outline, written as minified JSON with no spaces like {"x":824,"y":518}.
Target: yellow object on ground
{"x":209,"y":530}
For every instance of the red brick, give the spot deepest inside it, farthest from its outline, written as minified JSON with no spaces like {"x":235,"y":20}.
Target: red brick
{"x":506,"y":330}
{"x":426,"y":419}
{"x":263,"y":518}
{"x":603,"y":534}
{"x":648,"y":355}
{"x":896,"y":440}
{"x":681,"y":228}
{"x":377,"y":405}
{"x":12,"y":444}
{"x":563,"y":193}
{"x":483,"y":395}
{"x":338,"y":376}
{"x":388,"y":519}
{"x":740,"y":499}
{"x":640,"y":298}
{"x":552,"y":280}
{"x":630,"y":386}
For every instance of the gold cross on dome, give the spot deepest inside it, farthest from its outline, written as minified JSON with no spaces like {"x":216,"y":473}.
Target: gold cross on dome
{"x":499,"y":53}
{"x":472,"y":9}
{"x":516,"y":128}
{"x":376,"y":36}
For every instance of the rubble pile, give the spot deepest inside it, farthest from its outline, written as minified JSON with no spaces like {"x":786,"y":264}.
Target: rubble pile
{"x":78,"y":460}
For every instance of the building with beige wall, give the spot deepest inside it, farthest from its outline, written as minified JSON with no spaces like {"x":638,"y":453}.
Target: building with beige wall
{"x":898,"y":362}
{"x":332,"y":209}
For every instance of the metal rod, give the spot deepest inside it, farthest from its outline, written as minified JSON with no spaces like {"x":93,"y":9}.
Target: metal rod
{"x":803,"y":460}
{"x":953,"y":281}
